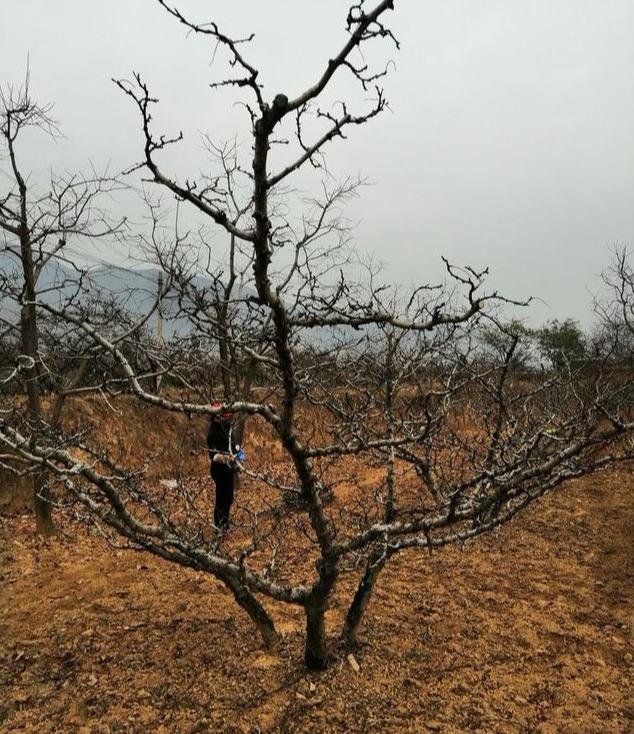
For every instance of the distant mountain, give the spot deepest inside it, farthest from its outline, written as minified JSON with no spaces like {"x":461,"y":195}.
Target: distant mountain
{"x":134,"y":288}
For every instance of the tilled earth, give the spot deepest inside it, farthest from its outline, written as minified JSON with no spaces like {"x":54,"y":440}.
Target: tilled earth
{"x":526,"y":630}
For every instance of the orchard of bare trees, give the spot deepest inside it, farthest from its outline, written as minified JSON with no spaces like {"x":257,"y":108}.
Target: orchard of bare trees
{"x":458,"y":416}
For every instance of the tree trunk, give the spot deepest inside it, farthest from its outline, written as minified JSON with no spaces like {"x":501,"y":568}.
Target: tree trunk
{"x":316,"y":653}
{"x":30,"y":347}
{"x":42,"y":504}
{"x":255,"y":610}
{"x":362,"y":598}
{"x":379,"y":555}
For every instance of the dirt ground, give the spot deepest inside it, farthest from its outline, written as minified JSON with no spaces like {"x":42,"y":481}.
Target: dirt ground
{"x":527,"y":630}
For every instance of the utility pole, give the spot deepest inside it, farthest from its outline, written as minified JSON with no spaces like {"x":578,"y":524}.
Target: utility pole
{"x":159,"y":324}
{"x":159,"y":313}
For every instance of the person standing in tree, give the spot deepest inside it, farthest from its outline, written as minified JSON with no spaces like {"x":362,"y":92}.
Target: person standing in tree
{"x":225,"y":457}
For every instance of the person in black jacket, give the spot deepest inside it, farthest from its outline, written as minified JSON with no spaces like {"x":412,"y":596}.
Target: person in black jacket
{"x":222,"y":453}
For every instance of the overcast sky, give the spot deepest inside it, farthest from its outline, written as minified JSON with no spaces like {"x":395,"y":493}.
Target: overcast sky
{"x":509,"y":141}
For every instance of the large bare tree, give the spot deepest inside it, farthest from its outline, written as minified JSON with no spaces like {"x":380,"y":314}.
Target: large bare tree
{"x":390,"y":425}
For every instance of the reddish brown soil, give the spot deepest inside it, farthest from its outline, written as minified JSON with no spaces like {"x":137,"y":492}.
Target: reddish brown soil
{"x":527,"y":630}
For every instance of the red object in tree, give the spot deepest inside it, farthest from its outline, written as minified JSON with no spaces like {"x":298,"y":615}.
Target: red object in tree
{"x":226,"y":415}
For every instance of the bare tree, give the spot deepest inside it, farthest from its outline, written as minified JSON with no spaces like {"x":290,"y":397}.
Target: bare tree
{"x":36,"y":227}
{"x":614,"y":336}
{"x":387,"y":417}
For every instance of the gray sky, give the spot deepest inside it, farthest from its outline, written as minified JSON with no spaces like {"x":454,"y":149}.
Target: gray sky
{"x":510,"y":140}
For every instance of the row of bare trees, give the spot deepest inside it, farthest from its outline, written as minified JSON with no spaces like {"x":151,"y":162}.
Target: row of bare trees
{"x":395,"y":424}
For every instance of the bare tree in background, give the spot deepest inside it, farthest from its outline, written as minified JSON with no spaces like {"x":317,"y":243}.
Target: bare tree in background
{"x":36,"y":227}
{"x":382,"y":412}
{"x":615,"y":333}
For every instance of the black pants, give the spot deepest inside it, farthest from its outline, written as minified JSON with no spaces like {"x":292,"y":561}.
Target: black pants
{"x":223,"y":477}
